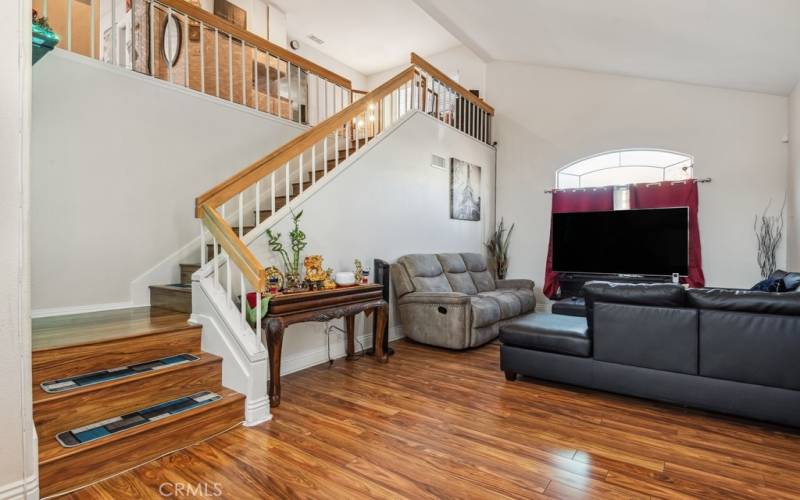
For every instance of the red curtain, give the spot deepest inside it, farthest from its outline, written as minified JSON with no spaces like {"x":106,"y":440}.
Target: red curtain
{"x":675,"y":194}
{"x":588,"y":200}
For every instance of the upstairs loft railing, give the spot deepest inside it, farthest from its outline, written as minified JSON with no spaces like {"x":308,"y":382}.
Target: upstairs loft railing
{"x":232,"y":211}
{"x":177,"y":42}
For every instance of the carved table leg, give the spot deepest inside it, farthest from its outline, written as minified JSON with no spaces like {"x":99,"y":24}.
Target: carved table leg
{"x":381,"y":312}
{"x":274,"y":346}
{"x":350,"y":328}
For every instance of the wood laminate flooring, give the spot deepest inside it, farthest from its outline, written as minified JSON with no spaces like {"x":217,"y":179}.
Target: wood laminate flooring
{"x":440,"y":424}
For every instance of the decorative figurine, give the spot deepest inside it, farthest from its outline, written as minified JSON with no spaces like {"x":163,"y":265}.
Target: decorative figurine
{"x":359,"y":271}
{"x":315,"y":276}
{"x":328,"y":284}
{"x":275,"y":279}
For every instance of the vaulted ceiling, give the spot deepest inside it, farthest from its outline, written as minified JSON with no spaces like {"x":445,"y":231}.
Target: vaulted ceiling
{"x":741,"y":44}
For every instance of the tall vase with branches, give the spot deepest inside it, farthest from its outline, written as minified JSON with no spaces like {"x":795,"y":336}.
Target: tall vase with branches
{"x":498,"y":248}
{"x":769,"y":234}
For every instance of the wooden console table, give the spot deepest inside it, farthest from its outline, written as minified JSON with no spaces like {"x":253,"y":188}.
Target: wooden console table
{"x":323,"y":305}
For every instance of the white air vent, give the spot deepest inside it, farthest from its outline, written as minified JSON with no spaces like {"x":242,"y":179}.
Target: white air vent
{"x":314,"y":38}
{"x":438,"y":162}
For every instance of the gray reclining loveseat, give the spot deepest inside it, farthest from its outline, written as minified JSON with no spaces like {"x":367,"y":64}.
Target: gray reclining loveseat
{"x":452,"y":300}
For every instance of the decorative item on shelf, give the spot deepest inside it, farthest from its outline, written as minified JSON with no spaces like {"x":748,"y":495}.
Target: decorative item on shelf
{"x":315,"y":275}
{"x":365,"y":275}
{"x":328,"y":284}
{"x":769,"y":234}
{"x":275,"y":279}
{"x":43,"y":37}
{"x":293,"y":283}
{"x":498,"y":248}
{"x":345,"y":278}
{"x":359,"y":271}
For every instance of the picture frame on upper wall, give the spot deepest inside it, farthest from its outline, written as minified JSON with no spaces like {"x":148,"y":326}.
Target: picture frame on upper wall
{"x":465,"y":190}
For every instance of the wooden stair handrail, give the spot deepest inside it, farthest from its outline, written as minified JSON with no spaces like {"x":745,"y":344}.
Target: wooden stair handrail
{"x":238,"y":252}
{"x":278,"y":158}
{"x":224,"y":26}
{"x":436,"y":73}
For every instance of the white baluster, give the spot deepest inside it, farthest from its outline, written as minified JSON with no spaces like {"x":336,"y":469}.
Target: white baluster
{"x":258,"y":203}
{"x":288,"y":183}
{"x":185,"y":50}
{"x":244,"y":78}
{"x":269,"y":101}
{"x":215,"y":260}
{"x":241,"y":214}
{"x":203,"y":249}
{"x":228,"y":286}
{"x":258,"y":312}
{"x":91,"y":28}
{"x":301,"y":174}
{"x":289,"y":87}
{"x":272,"y":193}
{"x":152,"y":37}
{"x":336,"y":148}
{"x":114,"y":59}
{"x":255,"y":77}
{"x":202,"y":59}
{"x":230,"y":68}
{"x":243,"y":301}
{"x":346,"y":142}
{"x":325,"y":156}
{"x":313,"y":164}
{"x":216,"y":57}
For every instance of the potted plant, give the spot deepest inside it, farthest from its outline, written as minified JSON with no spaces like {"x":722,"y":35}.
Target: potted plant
{"x":769,"y":234}
{"x":498,"y":248}
{"x":298,"y":243}
{"x":43,"y":36}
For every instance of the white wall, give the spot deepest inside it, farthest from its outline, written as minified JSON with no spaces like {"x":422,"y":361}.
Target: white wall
{"x":18,"y":457}
{"x":388,"y":203}
{"x":793,"y":232}
{"x":549,"y":117}
{"x":114,"y":180}
{"x":307,"y":50}
{"x":459,"y":63}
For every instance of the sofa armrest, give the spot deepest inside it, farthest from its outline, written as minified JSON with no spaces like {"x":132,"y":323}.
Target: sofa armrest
{"x":515,"y":283}
{"x":434,"y":298}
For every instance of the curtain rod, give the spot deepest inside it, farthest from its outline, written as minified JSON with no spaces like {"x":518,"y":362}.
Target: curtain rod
{"x":549,"y":191}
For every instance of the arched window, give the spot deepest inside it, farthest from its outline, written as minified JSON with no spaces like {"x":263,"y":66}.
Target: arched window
{"x":628,"y":166}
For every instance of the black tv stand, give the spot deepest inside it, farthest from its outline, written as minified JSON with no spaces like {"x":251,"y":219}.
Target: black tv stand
{"x":572,"y":283}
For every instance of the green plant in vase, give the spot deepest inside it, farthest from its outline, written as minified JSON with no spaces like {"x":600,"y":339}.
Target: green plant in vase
{"x":291,"y":263}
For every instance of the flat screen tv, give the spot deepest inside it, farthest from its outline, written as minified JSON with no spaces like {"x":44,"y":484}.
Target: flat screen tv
{"x":642,"y":242}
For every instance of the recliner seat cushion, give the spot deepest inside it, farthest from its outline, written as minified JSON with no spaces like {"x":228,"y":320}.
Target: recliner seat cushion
{"x":479,"y":271}
{"x":426,"y":273}
{"x":745,"y":301}
{"x":526,"y":297}
{"x":508,"y":302}
{"x":550,"y":333}
{"x":485,"y":311}
{"x":456,"y":273}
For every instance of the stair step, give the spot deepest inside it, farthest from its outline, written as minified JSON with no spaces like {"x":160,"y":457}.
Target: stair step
{"x":187,"y":270}
{"x":106,"y":340}
{"x":175,"y":297}
{"x":56,"y":412}
{"x":62,"y":469}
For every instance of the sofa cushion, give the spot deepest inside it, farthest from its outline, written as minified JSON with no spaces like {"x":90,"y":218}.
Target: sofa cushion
{"x":646,"y":294}
{"x":479,"y":271}
{"x":745,"y":301}
{"x":485,"y":311}
{"x":456,"y":273}
{"x":509,"y":304}
{"x":758,"y":349}
{"x":660,"y":338}
{"x":401,"y":281}
{"x":548,"y":332}
{"x":425,"y":272}
{"x":527,"y":299}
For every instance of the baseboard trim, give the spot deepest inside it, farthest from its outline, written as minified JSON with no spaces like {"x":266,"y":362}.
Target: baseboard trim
{"x":24,"y":488}
{"x":62,"y":311}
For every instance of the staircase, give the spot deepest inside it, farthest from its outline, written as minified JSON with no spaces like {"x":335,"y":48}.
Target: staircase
{"x":69,"y":346}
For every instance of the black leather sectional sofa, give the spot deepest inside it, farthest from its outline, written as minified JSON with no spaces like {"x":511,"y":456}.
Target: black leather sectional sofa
{"x":730,"y":351}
